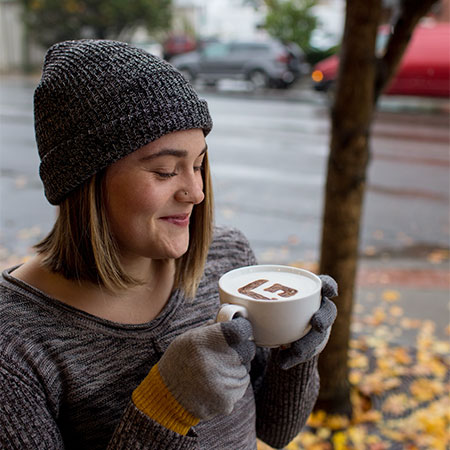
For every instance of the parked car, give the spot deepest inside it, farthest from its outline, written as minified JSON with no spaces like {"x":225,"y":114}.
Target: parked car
{"x":177,"y":44}
{"x":423,"y":71}
{"x":264,"y":63}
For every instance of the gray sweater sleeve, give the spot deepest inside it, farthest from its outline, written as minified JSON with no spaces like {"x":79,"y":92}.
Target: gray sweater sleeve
{"x":136,"y":428}
{"x":27,"y":423}
{"x":285,"y":400}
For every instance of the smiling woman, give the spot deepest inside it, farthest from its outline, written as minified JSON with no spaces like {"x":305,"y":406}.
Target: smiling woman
{"x":151,"y":195}
{"x":108,"y":336}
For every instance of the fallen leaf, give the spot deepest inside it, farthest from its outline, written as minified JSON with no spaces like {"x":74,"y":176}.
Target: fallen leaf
{"x":425,"y":389}
{"x":20,"y":182}
{"x":397,"y":404}
{"x":390,"y":296}
{"x":438,"y":256}
{"x":370,"y":250}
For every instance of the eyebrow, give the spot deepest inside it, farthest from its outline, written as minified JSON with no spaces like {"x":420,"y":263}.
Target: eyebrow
{"x":171,"y":152}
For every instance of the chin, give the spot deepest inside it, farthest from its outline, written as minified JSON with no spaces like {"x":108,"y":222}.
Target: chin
{"x":178,"y":252}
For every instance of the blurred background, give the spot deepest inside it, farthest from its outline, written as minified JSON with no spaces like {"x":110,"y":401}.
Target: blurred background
{"x":267,"y":69}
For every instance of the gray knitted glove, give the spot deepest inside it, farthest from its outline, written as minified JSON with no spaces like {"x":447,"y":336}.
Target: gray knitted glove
{"x":315,"y":341}
{"x":207,"y":369}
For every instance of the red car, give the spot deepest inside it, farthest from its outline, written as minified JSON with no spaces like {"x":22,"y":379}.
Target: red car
{"x":177,"y":44}
{"x":423,"y":71}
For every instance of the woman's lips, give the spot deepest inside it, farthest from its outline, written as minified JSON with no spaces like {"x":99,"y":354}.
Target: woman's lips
{"x":181,"y":220}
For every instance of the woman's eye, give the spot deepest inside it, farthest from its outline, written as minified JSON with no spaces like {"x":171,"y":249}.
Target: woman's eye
{"x":198,"y":168}
{"x":165,"y":175}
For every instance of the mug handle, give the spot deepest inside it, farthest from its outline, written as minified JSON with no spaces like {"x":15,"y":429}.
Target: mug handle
{"x":228,"y":312}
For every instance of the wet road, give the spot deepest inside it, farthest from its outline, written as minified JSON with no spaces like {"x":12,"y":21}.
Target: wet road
{"x":268,"y":160}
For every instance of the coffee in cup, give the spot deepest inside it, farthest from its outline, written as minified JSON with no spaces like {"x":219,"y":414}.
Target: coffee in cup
{"x":279,"y":301}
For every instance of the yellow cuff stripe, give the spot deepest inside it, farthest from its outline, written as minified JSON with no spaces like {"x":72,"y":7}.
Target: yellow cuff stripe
{"x":154,"y":399}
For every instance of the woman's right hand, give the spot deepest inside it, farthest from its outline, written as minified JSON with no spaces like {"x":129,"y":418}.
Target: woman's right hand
{"x":206,"y":370}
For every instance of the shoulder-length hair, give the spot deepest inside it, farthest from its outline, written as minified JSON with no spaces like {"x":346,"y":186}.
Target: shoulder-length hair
{"x":82,"y":247}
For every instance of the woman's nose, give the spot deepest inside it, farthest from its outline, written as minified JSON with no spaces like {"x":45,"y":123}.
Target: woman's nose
{"x":192,"y":190}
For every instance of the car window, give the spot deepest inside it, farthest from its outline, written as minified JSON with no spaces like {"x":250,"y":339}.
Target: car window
{"x":216,"y":50}
{"x":249,"y":48}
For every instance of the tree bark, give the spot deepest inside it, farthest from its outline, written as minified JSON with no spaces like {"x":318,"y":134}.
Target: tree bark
{"x":349,"y":154}
{"x":361,"y":80}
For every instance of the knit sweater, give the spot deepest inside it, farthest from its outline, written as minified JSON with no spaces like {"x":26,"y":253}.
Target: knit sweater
{"x":66,"y":377}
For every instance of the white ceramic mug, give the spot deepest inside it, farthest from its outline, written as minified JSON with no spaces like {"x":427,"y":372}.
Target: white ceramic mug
{"x":279,"y":301}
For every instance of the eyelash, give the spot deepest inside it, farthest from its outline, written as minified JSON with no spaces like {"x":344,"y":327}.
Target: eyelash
{"x":167,"y":175}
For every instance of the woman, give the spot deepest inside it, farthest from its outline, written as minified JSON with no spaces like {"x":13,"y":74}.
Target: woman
{"x":107,"y":337}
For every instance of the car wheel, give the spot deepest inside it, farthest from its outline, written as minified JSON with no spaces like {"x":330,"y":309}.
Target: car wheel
{"x":258,"y":79}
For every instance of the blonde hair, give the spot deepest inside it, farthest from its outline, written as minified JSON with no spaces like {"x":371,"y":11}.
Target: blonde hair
{"x":81,"y":246}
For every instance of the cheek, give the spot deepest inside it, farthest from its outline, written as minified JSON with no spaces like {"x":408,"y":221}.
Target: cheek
{"x":127,"y":199}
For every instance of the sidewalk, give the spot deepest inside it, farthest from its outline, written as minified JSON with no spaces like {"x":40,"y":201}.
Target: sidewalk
{"x":408,"y":291}
{"x":399,"y":362}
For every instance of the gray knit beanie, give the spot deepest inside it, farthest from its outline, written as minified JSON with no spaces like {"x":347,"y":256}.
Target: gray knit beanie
{"x":98,"y":101}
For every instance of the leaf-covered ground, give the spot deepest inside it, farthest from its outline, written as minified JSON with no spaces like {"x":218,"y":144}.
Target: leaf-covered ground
{"x":400,"y":394}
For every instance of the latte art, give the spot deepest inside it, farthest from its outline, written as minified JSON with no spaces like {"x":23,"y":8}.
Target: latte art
{"x":248,"y":290}
{"x":270,"y":285}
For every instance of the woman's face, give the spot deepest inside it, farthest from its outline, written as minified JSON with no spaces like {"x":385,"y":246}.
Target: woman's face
{"x":151,"y":193}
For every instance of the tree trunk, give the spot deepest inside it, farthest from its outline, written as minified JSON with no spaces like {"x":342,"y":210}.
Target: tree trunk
{"x":361,"y":80}
{"x":349,"y":155}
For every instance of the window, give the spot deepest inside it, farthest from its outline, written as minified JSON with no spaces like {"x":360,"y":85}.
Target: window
{"x":216,"y":50}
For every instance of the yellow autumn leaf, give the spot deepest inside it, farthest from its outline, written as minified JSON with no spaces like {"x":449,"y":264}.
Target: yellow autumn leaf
{"x":425,"y":389}
{"x":20,"y":182}
{"x":317,"y":419}
{"x":355,"y":377}
{"x":378,"y":316}
{"x":337,"y":422}
{"x":390,"y":295}
{"x":323,"y":433}
{"x":263,"y":446}
{"x":408,"y":323}
{"x":339,"y":441}
{"x":437,"y":256}
{"x":437,"y":368}
{"x":370,"y":416}
{"x":370,"y":250}
{"x":402,"y":356}
{"x":397,"y":404}
{"x":396,"y":311}
{"x":441,"y":347}
{"x":358,"y":361}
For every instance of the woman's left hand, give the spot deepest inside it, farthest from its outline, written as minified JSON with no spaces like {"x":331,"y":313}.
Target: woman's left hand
{"x":314,"y":342}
